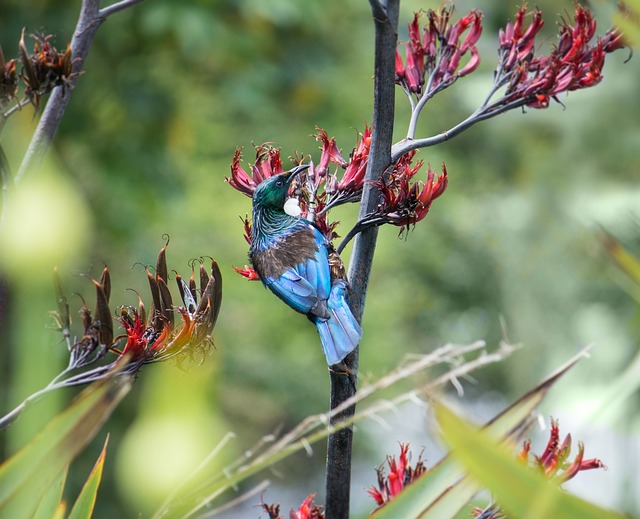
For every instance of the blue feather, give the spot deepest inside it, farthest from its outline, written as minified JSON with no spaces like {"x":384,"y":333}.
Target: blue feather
{"x":341,"y":333}
{"x":292,"y":258}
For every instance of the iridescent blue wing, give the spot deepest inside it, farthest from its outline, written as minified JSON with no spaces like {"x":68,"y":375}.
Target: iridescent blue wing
{"x":305,"y":286}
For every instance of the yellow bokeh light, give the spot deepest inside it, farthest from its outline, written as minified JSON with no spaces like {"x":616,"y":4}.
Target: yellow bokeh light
{"x":46,"y":223}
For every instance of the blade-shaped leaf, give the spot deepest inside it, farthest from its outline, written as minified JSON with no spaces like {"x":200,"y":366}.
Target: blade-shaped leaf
{"x":27,"y":475}
{"x":626,"y":261}
{"x":52,"y":498}
{"x":83,"y":507}
{"x":518,"y":489}
{"x":444,"y":489}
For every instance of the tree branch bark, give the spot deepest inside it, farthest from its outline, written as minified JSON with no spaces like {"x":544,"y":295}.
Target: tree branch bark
{"x":89,"y":21}
{"x":343,"y":385}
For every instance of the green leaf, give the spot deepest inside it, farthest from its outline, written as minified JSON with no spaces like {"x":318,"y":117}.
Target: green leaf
{"x":444,"y":490}
{"x":52,"y":499}
{"x":26,"y":476}
{"x":626,"y":261}
{"x":83,"y":507}
{"x":518,"y":489}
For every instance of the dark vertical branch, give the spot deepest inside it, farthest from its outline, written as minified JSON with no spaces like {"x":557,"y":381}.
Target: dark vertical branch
{"x":380,"y":151}
{"x":338,"y":473}
{"x":58,"y":101}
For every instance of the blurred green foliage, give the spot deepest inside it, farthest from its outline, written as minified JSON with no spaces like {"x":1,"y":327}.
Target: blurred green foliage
{"x":172,"y":88}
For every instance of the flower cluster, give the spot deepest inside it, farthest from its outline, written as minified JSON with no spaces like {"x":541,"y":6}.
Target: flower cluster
{"x":316,"y":190}
{"x":338,"y":189}
{"x":334,"y":181}
{"x":553,"y":463}
{"x":401,"y":474}
{"x":307,"y":510}
{"x":42,"y":69}
{"x":147,"y":338}
{"x":575,"y":62}
{"x":349,"y":187}
{"x":405,"y":203}
{"x":434,"y":54}
{"x":267,"y":164}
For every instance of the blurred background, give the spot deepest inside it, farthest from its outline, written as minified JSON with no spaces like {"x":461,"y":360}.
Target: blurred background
{"x":512,"y":251}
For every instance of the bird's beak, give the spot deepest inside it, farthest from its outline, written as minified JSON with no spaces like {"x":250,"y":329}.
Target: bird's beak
{"x":292,"y":174}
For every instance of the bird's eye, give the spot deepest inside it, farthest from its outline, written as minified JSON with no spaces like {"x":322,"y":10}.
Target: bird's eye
{"x":279,"y":183}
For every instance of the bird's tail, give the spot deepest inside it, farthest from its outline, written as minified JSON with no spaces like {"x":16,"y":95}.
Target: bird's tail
{"x":340,"y":334}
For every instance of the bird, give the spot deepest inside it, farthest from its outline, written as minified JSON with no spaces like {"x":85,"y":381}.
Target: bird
{"x":298,"y":264}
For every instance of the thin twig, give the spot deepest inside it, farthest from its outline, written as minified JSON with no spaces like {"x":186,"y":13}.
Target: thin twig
{"x":118,"y":6}
{"x":258,"y":489}
{"x":15,"y":108}
{"x":314,"y":428}
{"x":407,"y":145}
{"x":360,"y":226}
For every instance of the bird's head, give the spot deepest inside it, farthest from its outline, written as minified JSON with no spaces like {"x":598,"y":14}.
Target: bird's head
{"x":272,"y":191}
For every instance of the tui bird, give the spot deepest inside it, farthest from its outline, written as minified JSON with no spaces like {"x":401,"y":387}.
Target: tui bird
{"x":296,"y":262}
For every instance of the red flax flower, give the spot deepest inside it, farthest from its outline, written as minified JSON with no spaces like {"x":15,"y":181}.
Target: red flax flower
{"x":329,"y":153}
{"x":516,"y":43}
{"x":247,"y":272}
{"x":433,"y":56}
{"x":403,"y":203}
{"x":148,"y":337}
{"x":153,"y":338}
{"x":267,"y":164}
{"x":322,"y":223}
{"x":339,"y":188}
{"x":307,"y":510}
{"x":349,"y":187}
{"x":44,"y":68}
{"x":159,"y":338}
{"x":575,"y":62}
{"x":552,"y":463}
{"x":401,"y":474}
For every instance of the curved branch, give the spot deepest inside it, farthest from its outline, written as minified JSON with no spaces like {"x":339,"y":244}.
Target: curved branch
{"x":360,"y":226}
{"x":407,"y":145}
{"x":118,"y":6}
{"x":89,"y":21}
